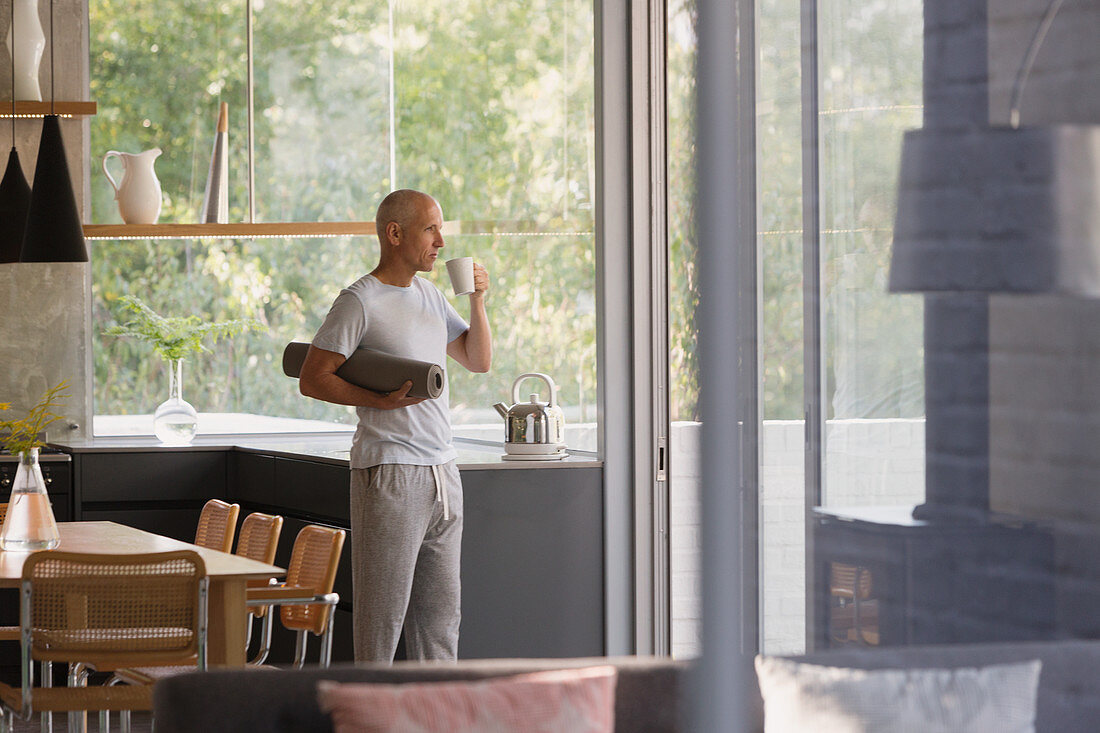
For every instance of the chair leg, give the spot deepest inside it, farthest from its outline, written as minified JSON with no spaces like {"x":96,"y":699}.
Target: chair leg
{"x":78,"y":677}
{"x":326,"y":639}
{"x":124,"y":721}
{"x":300,"y":650}
{"x":265,"y":638}
{"x":104,"y":721}
{"x":7,"y":721}
{"x":46,"y":722}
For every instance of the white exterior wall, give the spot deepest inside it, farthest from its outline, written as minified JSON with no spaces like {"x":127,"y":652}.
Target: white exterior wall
{"x":877,"y":462}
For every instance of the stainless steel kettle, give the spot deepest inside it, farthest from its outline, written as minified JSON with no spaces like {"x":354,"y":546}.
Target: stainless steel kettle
{"x":533,"y":427}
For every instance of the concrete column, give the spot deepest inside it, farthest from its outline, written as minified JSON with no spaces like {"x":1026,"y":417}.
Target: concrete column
{"x":956,"y":378}
{"x":45,"y":309}
{"x":956,"y":327}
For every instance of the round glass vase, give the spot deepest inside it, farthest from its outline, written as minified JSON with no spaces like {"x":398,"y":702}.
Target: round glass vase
{"x":29,"y":524}
{"x":175,"y":421}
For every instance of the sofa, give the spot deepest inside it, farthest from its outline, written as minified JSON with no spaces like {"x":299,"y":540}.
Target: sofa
{"x":647,"y":692}
{"x":650,"y":693}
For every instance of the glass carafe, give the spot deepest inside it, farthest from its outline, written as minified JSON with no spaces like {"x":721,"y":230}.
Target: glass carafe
{"x":175,"y":421}
{"x":29,"y":524}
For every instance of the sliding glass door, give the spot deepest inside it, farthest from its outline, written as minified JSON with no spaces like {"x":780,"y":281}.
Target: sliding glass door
{"x":683,"y":354}
{"x":841,"y":379}
{"x":841,"y":402}
{"x":872,"y":400}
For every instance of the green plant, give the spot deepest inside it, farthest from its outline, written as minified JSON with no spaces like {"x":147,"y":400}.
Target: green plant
{"x":19,"y":436}
{"x":175,"y":337}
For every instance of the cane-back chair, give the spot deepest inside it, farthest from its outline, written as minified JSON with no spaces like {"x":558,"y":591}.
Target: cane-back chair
{"x":259,"y":540}
{"x":7,"y":633}
{"x":78,"y":609}
{"x":306,"y":601}
{"x":217,"y":525}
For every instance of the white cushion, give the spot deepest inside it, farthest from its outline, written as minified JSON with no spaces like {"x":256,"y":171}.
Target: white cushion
{"x":810,"y":697}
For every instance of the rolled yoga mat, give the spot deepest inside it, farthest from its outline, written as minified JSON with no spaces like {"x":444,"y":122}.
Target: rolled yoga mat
{"x":375,"y":371}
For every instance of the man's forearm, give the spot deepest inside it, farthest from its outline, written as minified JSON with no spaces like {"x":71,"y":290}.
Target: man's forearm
{"x":479,"y":341}
{"x":339,"y":391}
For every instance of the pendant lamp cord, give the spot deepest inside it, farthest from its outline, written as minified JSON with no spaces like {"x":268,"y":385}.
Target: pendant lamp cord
{"x":53,"y":46}
{"x":12,"y":73}
{"x":1029,"y":61}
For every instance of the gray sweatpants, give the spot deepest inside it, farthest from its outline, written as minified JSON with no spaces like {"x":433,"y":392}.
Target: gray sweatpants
{"x":405,"y":560}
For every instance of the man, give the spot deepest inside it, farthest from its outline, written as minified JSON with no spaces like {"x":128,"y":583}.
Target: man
{"x":406,"y":496}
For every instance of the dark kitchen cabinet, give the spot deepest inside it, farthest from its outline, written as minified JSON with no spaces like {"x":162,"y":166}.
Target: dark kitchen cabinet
{"x":158,"y":491}
{"x":532,"y":565}
{"x":151,"y":476}
{"x":532,"y":550}
{"x":58,"y":477}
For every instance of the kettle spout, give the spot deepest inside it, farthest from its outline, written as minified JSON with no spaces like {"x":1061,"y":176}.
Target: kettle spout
{"x":502,"y":409}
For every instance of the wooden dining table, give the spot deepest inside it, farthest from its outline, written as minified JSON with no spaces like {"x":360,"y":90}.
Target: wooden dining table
{"x":229,"y":576}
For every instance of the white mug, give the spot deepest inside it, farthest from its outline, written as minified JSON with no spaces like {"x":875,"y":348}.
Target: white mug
{"x":461,"y":270}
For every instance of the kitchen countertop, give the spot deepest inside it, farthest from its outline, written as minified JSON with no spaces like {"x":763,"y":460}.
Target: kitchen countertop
{"x":322,"y":447}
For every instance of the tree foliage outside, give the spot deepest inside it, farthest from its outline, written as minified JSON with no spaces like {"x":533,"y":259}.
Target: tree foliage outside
{"x":870,"y":93}
{"x":869,"y":77}
{"x":683,"y":278}
{"x":493,"y":115}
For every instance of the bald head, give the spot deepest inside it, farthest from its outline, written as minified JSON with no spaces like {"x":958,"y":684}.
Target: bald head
{"x":402,"y":207}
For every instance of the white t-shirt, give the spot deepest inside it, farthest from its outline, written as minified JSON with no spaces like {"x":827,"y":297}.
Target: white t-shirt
{"x":415,"y":322}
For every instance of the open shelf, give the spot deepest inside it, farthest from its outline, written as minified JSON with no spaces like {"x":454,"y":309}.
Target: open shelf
{"x":41,"y":109}
{"x":302,"y":229}
{"x":265,"y":230}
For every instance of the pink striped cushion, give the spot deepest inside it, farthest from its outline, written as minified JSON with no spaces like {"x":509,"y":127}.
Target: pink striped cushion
{"x":561,"y":701}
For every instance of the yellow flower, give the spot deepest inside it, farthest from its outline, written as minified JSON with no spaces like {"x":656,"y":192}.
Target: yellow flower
{"x":22,"y":435}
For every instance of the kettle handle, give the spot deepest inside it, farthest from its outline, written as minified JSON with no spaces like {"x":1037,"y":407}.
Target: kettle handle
{"x":549,"y":383}
{"x":106,"y":172}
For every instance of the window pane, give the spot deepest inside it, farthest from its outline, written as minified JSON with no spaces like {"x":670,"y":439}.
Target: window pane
{"x":352,"y":100}
{"x":779,"y":244}
{"x":158,"y":72}
{"x":683,"y":334}
{"x":322,"y":118}
{"x":870,"y":92}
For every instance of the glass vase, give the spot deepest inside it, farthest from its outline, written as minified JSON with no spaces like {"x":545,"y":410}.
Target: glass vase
{"x":29,"y":524}
{"x":175,"y":421}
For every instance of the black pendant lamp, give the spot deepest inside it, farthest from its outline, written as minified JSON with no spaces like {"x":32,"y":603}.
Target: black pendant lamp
{"x":54,"y":232}
{"x":15,"y":194}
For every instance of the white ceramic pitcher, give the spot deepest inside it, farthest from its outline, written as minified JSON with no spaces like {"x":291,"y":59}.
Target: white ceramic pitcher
{"x":138,"y":195}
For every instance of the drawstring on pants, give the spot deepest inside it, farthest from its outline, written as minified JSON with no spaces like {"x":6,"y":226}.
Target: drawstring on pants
{"x":441,"y":493}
